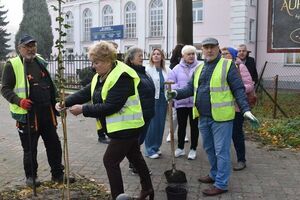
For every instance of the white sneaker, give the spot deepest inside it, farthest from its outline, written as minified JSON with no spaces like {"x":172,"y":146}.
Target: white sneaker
{"x":186,"y":139}
{"x":179,"y":152}
{"x":168,"y":138}
{"x":159,"y":152}
{"x":154,"y":156}
{"x":192,"y":154}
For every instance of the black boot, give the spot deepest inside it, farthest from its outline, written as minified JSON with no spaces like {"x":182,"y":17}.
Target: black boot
{"x":60,"y":179}
{"x":29,"y":182}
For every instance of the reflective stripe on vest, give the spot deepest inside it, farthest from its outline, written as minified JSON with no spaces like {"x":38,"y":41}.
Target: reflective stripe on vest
{"x":130,"y":116}
{"x":222,"y":101}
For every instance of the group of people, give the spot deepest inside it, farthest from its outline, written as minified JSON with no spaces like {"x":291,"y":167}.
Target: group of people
{"x":129,"y":104}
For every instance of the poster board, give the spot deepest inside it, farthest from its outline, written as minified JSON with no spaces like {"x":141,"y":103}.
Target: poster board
{"x":284,"y":26}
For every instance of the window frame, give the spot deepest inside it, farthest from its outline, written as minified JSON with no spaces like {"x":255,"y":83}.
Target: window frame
{"x":196,"y":12}
{"x":70,"y":31}
{"x":87,"y":24}
{"x":294,"y":59}
{"x":252,"y":29}
{"x":107,"y":16}
{"x":156,"y":18}
{"x":130,"y":20}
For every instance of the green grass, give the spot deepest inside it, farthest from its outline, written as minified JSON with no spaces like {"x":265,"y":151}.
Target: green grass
{"x":281,"y":132}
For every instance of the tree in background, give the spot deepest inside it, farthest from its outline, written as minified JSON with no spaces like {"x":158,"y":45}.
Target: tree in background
{"x":184,"y":19}
{"x":3,"y":34}
{"x":37,"y":23}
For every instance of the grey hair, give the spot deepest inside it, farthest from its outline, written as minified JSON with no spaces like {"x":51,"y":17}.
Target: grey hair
{"x":188,"y":49}
{"x":242,"y":45}
{"x":131,"y":52}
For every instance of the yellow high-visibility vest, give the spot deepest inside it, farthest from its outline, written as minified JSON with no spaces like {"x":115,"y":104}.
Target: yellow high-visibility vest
{"x":19,"y":88}
{"x":221,"y":98}
{"x":131,"y":115}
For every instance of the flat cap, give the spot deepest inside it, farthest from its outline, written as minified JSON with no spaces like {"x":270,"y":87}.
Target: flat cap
{"x":25,"y":39}
{"x":211,"y":41}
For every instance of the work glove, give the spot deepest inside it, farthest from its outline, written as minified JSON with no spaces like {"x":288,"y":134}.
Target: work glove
{"x":26,"y":104}
{"x":254,"y":122}
{"x":170,"y":94}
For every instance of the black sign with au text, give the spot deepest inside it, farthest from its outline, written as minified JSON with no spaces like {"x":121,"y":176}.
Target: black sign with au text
{"x":284,"y":26}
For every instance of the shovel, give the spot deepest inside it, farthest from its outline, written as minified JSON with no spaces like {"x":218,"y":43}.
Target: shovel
{"x":173,"y":175}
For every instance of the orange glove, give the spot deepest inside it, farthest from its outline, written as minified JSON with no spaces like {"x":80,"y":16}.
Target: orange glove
{"x":26,"y":104}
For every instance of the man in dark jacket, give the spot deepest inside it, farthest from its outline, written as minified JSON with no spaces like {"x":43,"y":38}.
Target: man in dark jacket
{"x":38,"y":104}
{"x":215,"y":85}
{"x":243,"y":54}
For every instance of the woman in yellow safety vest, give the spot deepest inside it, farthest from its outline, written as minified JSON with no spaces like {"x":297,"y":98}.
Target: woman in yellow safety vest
{"x":116,"y":105}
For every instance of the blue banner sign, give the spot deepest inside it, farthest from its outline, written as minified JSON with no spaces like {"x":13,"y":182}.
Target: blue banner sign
{"x":107,"y":33}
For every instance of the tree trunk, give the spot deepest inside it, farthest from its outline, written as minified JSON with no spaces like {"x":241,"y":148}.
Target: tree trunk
{"x":184,"y":19}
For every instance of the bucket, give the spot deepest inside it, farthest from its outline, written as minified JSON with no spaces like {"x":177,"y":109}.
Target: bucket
{"x":176,"y":193}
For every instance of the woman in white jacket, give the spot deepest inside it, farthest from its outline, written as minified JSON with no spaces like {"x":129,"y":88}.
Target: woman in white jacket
{"x":159,"y":74}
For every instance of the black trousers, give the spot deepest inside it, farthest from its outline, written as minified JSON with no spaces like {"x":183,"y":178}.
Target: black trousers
{"x":42,"y":124}
{"x":116,"y":151}
{"x":182,"y":116}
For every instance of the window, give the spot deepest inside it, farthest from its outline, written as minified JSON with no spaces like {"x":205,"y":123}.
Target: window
{"x":156,"y":18}
{"x":108,"y":18}
{"x":292,"y":58}
{"x":87,"y":24}
{"x":252,"y":2}
{"x":197,"y":11}
{"x":252,"y":30}
{"x":70,"y":30}
{"x":130,"y":20}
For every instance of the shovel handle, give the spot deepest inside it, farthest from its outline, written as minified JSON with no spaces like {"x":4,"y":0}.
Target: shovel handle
{"x":170,"y":105}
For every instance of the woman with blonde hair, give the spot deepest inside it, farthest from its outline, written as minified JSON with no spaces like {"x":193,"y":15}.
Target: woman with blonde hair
{"x":115,"y":104}
{"x":159,"y":74}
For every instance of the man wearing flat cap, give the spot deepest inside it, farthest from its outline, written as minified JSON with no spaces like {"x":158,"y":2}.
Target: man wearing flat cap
{"x":38,"y":104}
{"x":216,"y":86}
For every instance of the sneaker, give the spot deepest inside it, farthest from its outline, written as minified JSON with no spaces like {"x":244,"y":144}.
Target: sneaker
{"x":179,"y":152}
{"x":104,"y":140}
{"x":60,"y":179}
{"x":240,"y":166}
{"x":159,"y":152}
{"x":186,"y":139}
{"x":154,"y":156}
{"x":192,"y":154}
{"x":168,"y":139}
{"x":29,"y":182}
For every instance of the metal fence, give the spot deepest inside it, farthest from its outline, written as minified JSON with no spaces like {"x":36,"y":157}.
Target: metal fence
{"x":288,"y":76}
{"x":74,"y":65}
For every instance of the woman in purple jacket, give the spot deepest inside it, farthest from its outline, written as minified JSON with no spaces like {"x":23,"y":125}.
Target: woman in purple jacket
{"x":181,"y":74}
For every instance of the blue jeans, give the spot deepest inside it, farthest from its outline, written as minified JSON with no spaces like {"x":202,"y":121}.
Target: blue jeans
{"x":154,"y":135}
{"x":216,"y":138}
{"x":238,"y":137}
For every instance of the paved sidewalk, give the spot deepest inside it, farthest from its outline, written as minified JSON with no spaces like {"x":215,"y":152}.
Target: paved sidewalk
{"x":270,"y":175}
